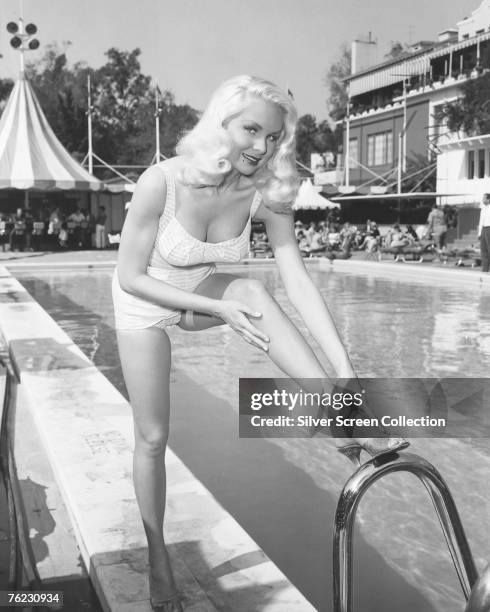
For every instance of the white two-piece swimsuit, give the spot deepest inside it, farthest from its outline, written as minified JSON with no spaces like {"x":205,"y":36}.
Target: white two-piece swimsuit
{"x":179,"y":259}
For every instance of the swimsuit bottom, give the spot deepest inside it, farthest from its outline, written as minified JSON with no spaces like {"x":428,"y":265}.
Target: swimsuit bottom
{"x":132,"y":312}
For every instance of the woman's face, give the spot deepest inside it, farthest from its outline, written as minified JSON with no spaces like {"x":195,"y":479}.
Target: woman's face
{"x":255,"y":133}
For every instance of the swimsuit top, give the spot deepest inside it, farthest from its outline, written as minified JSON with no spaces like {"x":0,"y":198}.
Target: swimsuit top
{"x":174,"y":246}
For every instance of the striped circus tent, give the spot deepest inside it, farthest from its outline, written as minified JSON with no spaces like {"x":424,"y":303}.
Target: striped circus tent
{"x":31,"y":156}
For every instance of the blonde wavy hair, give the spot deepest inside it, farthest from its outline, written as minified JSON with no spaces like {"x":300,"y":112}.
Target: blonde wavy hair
{"x":207,"y":146}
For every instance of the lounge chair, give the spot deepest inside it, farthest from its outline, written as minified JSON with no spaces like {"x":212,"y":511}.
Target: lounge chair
{"x":413,"y":253}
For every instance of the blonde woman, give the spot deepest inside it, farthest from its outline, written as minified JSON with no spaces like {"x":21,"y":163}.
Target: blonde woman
{"x":188,"y":213}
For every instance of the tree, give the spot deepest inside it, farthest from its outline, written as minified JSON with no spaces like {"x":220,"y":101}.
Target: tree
{"x":62,"y":94}
{"x":6,"y":86}
{"x":312,"y":138}
{"x":306,"y":134}
{"x":335,"y":83}
{"x":397,"y":49}
{"x":175,"y":120}
{"x":123,"y":101}
{"x":470,"y":113}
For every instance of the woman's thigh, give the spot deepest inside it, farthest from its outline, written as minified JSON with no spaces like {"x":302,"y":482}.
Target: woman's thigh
{"x":145,"y":358}
{"x":214,"y":287}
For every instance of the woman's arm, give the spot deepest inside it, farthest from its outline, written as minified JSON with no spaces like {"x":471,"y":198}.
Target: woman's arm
{"x":302,"y":292}
{"x":137,"y":239}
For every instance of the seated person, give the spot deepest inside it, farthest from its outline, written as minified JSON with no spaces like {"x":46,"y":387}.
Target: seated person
{"x":334,"y":238}
{"x":345,"y":250}
{"x":411,"y":232}
{"x":317,"y":244}
{"x":302,"y":242}
{"x":398,"y":238}
{"x":370,"y":243}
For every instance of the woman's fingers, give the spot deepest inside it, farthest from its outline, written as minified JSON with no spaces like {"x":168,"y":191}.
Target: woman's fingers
{"x":249,"y":326}
{"x":252,"y":339}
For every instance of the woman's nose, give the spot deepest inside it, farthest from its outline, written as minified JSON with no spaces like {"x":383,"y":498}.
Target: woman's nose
{"x":260,"y":145}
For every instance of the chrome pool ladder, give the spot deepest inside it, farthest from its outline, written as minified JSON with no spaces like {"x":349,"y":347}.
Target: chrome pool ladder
{"x":446,"y":512}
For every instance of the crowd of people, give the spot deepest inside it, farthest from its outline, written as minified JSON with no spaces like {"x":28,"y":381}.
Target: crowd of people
{"x":326,"y":236}
{"x":332,"y":235}
{"x":26,"y":230}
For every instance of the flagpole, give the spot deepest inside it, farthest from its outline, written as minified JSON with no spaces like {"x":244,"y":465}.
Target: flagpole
{"x":89,"y":122}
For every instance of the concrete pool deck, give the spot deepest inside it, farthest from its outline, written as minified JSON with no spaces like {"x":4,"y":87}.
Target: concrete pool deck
{"x":84,"y":426}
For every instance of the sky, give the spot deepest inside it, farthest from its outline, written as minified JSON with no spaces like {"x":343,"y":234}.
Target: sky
{"x":191,"y":46}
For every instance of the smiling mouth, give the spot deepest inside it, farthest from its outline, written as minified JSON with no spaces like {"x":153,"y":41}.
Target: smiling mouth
{"x":251,"y":159}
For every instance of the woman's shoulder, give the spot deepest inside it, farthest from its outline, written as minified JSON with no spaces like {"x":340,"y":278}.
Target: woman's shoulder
{"x":151,"y":189}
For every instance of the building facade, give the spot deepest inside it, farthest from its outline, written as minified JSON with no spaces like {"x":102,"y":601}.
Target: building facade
{"x":394,"y":123}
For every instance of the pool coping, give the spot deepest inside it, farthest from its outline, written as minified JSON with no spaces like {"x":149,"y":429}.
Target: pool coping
{"x":85,"y":426}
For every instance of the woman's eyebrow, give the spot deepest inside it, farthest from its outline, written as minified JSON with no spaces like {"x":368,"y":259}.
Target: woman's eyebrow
{"x":258,"y":126}
{"x":252,"y":122}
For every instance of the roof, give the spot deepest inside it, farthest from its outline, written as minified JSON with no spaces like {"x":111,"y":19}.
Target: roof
{"x":308,"y":198}
{"x":409,"y":195}
{"x":31,"y":156}
{"x":408,"y":64}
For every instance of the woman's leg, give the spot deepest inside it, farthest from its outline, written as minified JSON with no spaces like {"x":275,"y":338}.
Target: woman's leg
{"x":287,"y":347}
{"x":145,"y":357}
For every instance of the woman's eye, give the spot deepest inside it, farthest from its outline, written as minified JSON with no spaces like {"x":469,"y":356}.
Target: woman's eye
{"x":251,"y":130}
{"x":273,"y":138}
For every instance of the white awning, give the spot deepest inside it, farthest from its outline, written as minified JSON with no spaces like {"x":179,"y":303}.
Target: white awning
{"x":463,"y":44}
{"x":393,"y":73}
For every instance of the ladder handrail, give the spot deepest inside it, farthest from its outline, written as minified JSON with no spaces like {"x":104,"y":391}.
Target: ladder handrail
{"x":444,"y":505}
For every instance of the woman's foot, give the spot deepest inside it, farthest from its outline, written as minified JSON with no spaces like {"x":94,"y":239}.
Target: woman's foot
{"x":163,"y":591}
{"x":375,"y":447}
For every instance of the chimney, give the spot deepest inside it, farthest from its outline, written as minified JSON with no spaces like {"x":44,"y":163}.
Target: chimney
{"x":364,"y":54}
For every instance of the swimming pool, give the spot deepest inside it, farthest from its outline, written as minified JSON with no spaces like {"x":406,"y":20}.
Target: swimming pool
{"x":284,"y":492}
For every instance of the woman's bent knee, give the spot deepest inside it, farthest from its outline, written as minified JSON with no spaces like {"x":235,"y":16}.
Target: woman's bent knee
{"x":248,"y":290}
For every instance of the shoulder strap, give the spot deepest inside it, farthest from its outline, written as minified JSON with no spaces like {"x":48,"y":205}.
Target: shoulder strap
{"x":169,"y":210}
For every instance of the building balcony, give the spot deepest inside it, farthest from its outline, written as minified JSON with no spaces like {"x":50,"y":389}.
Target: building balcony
{"x":443,"y":82}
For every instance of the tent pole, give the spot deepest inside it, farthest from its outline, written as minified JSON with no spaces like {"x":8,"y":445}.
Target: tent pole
{"x":158,"y":110}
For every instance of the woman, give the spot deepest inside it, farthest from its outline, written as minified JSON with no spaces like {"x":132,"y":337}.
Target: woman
{"x":437,"y":227}
{"x":186,"y":214}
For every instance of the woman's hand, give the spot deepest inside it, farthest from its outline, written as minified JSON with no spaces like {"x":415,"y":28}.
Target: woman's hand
{"x":237,"y":316}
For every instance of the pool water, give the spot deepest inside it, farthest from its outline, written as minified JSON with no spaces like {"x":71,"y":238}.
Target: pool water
{"x":284,"y":491}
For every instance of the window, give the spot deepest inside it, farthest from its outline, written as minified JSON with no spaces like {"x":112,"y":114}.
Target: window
{"x":380,"y":149}
{"x":471,"y":164}
{"x":481,"y":163}
{"x":353,"y":152}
